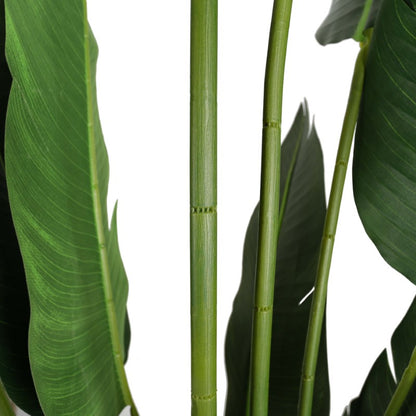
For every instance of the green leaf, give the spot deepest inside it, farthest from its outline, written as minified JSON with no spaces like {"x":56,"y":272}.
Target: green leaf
{"x":14,"y":300}
{"x":384,"y":175}
{"x":57,"y":177}
{"x":5,"y":404}
{"x":14,"y":314}
{"x":347,"y":19}
{"x":297,"y":257}
{"x":118,"y":274}
{"x":380,"y":383}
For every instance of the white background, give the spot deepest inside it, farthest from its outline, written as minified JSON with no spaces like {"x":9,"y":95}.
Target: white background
{"x":143,"y":88}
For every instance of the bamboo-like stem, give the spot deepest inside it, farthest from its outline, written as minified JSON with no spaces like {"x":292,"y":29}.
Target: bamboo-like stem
{"x":269,"y":209}
{"x":331,"y":221}
{"x":403,"y":387}
{"x":203,"y":201}
{"x":6,"y":408}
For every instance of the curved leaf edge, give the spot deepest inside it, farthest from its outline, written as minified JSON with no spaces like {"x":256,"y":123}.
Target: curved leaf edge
{"x":90,"y":60}
{"x":382,"y":380}
{"x":348,"y":20}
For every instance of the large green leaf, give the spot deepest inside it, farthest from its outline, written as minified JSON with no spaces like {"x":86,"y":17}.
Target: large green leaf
{"x":57,"y":177}
{"x":297,"y":257}
{"x":347,"y":19}
{"x":380,"y":383}
{"x":14,"y":300}
{"x":384,"y":174}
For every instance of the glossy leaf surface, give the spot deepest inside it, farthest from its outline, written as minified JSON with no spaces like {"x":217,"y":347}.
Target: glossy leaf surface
{"x":384,"y":174}
{"x":380,"y":383}
{"x":57,"y":176}
{"x":14,"y":300}
{"x":297,"y":257}
{"x":347,"y":19}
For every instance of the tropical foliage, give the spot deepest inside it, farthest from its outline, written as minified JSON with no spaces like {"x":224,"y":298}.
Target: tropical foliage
{"x":64,"y":326}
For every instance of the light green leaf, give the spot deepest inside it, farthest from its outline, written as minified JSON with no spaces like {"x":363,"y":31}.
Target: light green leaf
{"x":57,"y":176}
{"x":347,"y":19}
{"x":297,"y":257}
{"x":384,"y":174}
{"x":380,"y":384}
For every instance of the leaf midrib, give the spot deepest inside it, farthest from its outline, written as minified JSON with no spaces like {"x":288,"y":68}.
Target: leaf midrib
{"x":98,"y":214}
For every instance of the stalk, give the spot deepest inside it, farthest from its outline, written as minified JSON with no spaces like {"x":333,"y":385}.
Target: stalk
{"x":403,"y":387}
{"x":203,"y":201}
{"x":6,"y":408}
{"x":321,"y":284}
{"x":269,"y":209}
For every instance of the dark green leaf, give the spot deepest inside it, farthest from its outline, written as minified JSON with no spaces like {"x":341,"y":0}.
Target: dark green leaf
{"x":14,"y":315}
{"x":384,"y":174}
{"x":14,"y":300}
{"x":57,"y":177}
{"x":347,"y":19}
{"x":297,"y":257}
{"x":380,"y":383}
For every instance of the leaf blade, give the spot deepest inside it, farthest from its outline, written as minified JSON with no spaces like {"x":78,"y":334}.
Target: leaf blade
{"x":380,"y":385}
{"x":384,"y":179}
{"x":286,"y":361}
{"x":5,"y":405}
{"x":347,"y":19}
{"x":14,"y":300}
{"x":57,"y":172}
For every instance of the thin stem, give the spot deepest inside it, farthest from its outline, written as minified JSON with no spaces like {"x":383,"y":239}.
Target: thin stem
{"x":203,"y":201}
{"x":358,"y":34}
{"x":6,"y":408}
{"x":403,"y":387}
{"x":269,"y":210}
{"x":321,"y":284}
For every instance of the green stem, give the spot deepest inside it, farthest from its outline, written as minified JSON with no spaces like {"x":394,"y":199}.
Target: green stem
{"x":359,"y":35}
{"x":203,"y":201}
{"x":403,"y":387}
{"x":269,"y":209}
{"x":321,"y":284}
{"x":6,"y":408}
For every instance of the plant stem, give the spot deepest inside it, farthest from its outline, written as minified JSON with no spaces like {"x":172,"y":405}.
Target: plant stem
{"x":321,"y":284}
{"x":203,"y":201}
{"x":359,"y":36}
{"x":269,"y":209}
{"x":403,"y":388}
{"x":6,"y":408}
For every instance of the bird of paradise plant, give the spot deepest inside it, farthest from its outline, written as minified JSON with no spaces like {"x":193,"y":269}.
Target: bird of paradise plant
{"x":64,"y":327}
